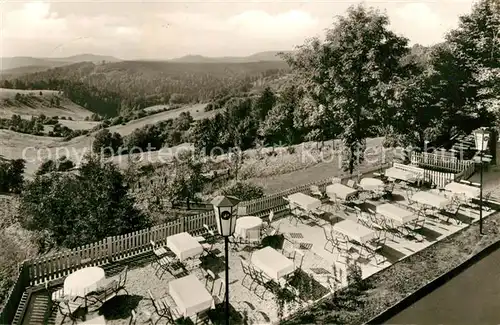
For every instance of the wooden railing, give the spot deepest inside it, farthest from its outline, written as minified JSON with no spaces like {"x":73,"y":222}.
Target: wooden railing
{"x":276,"y":200}
{"x":14,"y":297}
{"x":453,"y":164}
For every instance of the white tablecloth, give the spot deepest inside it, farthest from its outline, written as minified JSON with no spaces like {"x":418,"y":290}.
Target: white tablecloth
{"x":371,"y":184}
{"x":457,"y":188}
{"x":340,"y":191}
{"x":272,"y":263}
{"x":190,"y":295}
{"x":354,"y":231}
{"x":184,"y":246}
{"x":431,"y":199}
{"x":306,"y":202}
{"x":245,"y":224}
{"x":400,"y":215}
{"x":83,"y":281}
{"x":400,"y":174}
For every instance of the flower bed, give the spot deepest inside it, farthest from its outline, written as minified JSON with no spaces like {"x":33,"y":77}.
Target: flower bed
{"x":397,"y":282}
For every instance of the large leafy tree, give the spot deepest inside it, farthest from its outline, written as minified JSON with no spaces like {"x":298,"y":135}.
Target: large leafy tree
{"x":77,"y":209}
{"x":187,"y":180}
{"x":344,"y":74}
{"x":475,"y":47}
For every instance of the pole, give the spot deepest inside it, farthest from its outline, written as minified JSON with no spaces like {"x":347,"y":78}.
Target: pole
{"x":481,"y":188}
{"x":226,"y":249}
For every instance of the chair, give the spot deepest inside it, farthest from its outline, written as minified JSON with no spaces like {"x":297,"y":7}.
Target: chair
{"x":300,"y":256}
{"x":159,"y":252}
{"x":252,"y":237}
{"x":351,"y":183}
{"x":329,"y":240}
{"x":315,"y":191}
{"x":111,"y":289}
{"x":56,"y":295}
{"x":210,"y":240}
{"x":265,"y":282}
{"x":372,"y":248}
{"x":247,"y":270}
{"x":336,"y":180}
{"x":220,"y":294}
{"x":163,"y":310}
{"x":69,"y":309}
{"x":343,"y":247}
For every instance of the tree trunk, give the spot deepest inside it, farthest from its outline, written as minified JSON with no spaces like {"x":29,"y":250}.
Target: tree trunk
{"x":187,"y":203}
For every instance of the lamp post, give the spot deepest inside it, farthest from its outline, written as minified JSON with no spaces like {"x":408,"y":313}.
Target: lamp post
{"x":482,"y":137}
{"x":225,"y":217}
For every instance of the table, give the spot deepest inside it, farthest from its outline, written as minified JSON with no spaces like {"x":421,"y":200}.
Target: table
{"x":184,"y":246}
{"x":84,"y":281}
{"x":371,"y":184}
{"x":95,"y":321}
{"x":190,"y":295}
{"x":306,"y":202}
{"x":244,"y":224}
{"x":400,"y":174}
{"x":399,"y":215}
{"x":355,"y":231}
{"x":470,"y":192}
{"x":272,"y":263}
{"x":431,"y":199}
{"x":341,"y":191}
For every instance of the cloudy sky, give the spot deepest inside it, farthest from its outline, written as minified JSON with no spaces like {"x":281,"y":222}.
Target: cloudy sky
{"x":162,"y":29}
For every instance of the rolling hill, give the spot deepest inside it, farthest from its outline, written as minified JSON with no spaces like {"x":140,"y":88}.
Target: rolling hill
{"x":268,"y":56}
{"x":10,"y":65}
{"x":37,"y":104}
{"x":111,"y":88}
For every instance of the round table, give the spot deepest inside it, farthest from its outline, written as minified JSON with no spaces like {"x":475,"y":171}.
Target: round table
{"x":83,"y":281}
{"x":244,"y":224}
{"x":371,"y":184}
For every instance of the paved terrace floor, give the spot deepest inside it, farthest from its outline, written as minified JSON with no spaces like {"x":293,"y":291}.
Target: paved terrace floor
{"x":318,"y":263}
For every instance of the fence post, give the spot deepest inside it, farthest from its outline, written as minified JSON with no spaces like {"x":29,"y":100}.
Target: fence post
{"x":109,"y":241}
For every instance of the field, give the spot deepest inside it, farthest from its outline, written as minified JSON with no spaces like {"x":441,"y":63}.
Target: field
{"x":197,"y":111}
{"x":41,"y":106}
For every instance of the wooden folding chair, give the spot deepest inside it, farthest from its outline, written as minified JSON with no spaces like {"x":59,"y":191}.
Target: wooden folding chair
{"x":329,"y":240}
{"x":315,"y":191}
{"x":69,"y":308}
{"x":247,"y":271}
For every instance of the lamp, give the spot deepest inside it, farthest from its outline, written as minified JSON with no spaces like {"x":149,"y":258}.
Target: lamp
{"x":225,"y":214}
{"x":482,"y":138}
{"x":225,"y":208}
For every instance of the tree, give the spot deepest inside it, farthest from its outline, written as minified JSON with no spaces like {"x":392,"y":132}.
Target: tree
{"x":107,"y":143}
{"x":11,"y":175}
{"x":344,"y":74}
{"x":187,"y":179}
{"x":78,"y":209}
{"x":263,"y":104}
{"x":475,"y":45}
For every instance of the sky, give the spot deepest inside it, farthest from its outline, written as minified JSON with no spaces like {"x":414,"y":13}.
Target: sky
{"x":162,"y":29}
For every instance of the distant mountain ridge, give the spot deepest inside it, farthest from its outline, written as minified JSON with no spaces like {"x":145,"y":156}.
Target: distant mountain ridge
{"x":17,"y":62}
{"x":257,"y":57}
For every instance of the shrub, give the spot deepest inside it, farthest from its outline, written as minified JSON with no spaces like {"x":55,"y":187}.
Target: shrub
{"x":244,"y":191}
{"x":80,"y":209}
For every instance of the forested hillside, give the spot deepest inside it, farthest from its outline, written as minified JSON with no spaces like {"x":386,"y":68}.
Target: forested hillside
{"x":115,"y":88}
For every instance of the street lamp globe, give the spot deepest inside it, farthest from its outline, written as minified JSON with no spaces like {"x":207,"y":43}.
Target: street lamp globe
{"x":225,"y":214}
{"x":482,"y":139}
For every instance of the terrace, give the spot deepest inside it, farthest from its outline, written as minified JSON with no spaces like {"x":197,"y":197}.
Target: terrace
{"x":320,"y":268}
{"x":347,"y":226}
